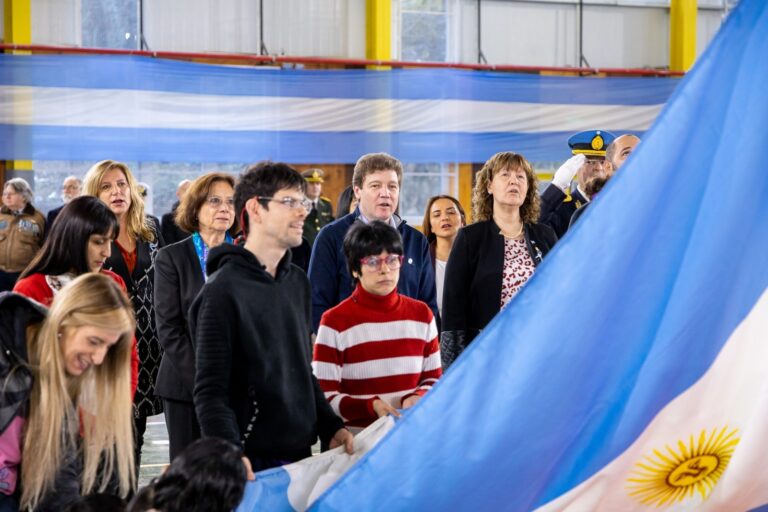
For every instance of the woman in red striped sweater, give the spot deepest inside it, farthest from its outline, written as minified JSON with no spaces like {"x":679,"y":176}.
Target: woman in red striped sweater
{"x":377,"y":351}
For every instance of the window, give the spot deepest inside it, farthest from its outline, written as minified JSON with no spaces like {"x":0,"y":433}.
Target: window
{"x":422,"y":181}
{"x":423,"y":29}
{"x":110,"y":24}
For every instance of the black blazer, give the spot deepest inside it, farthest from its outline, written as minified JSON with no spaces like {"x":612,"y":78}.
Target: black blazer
{"x":140,"y":285}
{"x":178,"y":279}
{"x":473,"y":279}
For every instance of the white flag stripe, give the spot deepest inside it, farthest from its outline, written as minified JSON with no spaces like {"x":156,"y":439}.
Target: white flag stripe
{"x":121,"y":108}
{"x":733,"y":394}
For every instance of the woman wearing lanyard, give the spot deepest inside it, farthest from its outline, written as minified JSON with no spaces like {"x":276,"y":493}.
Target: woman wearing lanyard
{"x":207,"y":211}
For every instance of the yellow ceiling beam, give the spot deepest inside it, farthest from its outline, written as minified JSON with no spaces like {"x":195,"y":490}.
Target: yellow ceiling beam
{"x":682,"y":34}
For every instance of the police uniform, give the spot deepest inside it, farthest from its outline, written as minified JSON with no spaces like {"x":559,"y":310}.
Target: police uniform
{"x":557,"y":207}
{"x":322,"y":209}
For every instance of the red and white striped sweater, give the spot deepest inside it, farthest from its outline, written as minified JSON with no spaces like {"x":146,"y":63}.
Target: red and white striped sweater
{"x":371,"y":347}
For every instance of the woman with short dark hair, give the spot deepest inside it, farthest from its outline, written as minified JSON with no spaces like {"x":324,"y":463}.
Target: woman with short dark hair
{"x":494,"y":257}
{"x":377,"y":351}
{"x":207,"y":211}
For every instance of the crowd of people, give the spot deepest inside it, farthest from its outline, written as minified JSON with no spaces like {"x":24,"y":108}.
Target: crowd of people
{"x":255,"y":321}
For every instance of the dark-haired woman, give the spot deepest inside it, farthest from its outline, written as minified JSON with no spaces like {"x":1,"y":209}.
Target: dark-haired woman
{"x":443,"y":218}
{"x":132,"y":258}
{"x":377,"y":351}
{"x":207,"y":211}
{"x":494,"y":257}
{"x":78,"y":242}
{"x":347,"y":202}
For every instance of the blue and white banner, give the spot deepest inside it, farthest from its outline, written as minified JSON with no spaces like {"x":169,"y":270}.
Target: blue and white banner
{"x":294,"y":487}
{"x":631,"y":373}
{"x":144,"y":109}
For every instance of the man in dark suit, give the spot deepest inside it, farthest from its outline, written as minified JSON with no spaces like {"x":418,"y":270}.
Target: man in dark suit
{"x":171,"y":232}
{"x":70,"y":189}
{"x":322,"y":209}
{"x":558,"y":201}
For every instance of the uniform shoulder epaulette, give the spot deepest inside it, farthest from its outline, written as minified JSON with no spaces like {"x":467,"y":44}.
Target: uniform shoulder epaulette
{"x":323,"y":198}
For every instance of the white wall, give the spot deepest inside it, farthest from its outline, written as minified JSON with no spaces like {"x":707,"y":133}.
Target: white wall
{"x":617,"y":33}
{"x":545,"y":33}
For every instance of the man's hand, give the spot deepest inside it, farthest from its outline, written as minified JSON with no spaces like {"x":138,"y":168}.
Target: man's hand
{"x":343,"y":437}
{"x":382,"y":408}
{"x":411,"y":401}
{"x":567,"y":171}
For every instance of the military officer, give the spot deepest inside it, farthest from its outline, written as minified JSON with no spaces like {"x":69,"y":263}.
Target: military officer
{"x":322,"y":210}
{"x":559,"y":201}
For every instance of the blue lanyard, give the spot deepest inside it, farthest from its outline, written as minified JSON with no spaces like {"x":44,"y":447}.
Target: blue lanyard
{"x":202,"y":250}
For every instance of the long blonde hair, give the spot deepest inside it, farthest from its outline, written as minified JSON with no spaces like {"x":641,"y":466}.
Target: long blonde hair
{"x":135,"y":220}
{"x":482,"y":200}
{"x":100,"y":398}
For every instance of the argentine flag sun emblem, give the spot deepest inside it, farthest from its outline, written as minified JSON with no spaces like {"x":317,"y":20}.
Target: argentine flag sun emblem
{"x":674,"y":474}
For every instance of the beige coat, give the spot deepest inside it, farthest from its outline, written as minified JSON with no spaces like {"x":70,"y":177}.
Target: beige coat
{"x":21,"y":236}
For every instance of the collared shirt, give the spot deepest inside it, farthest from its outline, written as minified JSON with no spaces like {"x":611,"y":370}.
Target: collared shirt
{"x":392,"y":222}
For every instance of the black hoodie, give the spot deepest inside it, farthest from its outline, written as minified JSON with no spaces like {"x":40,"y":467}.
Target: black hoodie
{"x":254,"y":383}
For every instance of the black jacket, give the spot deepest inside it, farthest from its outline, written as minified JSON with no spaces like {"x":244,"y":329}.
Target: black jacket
{"x":172,"y":233}
{"x":473,"y":279}
{"x":557,"y":208}
{"x":140,"y":285}
{"x":254,"y":383}
{"x":178,"y":279}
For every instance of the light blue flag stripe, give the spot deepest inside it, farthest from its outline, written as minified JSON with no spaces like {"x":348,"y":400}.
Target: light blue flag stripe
{"x":147,"y":74}
{"x":629,"y":310}
{"x":143,"y":144}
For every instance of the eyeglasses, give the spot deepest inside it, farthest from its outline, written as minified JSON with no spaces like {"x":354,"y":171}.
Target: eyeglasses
{"x":216,"y":202}
{"x":373,"y":263}
{"x":290,"y":202}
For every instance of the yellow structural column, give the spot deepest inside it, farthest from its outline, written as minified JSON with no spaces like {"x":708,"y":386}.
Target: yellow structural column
{"x":378,"y":30}
{"x":682,"y":34}
{"x":17,"y":29}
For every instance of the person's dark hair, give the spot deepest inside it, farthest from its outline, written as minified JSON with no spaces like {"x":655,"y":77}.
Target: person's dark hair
{"x":363,"y":240}
{"x":98,"y":503}
{"x":265,"y":179}
{"x":66,"y":247}
{"x":208,"y":475}
{"x":345,"y":199}
{"x":195,"y":197}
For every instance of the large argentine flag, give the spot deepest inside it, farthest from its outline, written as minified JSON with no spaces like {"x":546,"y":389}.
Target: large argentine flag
{"x":142,"y":109}
{"x":632,"y":372}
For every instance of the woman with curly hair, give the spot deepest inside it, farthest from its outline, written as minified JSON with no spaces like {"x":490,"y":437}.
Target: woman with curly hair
{"x":132,"y":258}
{"x":494,"y":257}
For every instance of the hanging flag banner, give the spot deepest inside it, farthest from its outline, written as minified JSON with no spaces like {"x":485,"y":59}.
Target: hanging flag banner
{"x":74,"y":107}
{"x":631,"y":373}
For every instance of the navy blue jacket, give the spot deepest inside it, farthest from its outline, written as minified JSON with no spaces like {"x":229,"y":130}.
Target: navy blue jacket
{"x":330,"y":279}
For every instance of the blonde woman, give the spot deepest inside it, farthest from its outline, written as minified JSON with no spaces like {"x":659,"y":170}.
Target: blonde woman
{"x":65,"y":418}
{"x":132,"y":258}
{"x":494,"y":257}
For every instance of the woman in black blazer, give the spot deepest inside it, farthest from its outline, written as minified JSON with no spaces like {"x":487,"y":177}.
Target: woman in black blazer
{"x":207,"y":211}
{"x":132,"y":258}
{"x":494,"y":257}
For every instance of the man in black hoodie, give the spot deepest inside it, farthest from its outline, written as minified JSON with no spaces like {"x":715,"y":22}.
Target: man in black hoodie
{"x":251,"y":324}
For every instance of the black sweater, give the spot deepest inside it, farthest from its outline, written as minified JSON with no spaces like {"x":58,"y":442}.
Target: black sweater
{"x":254,"y":383}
